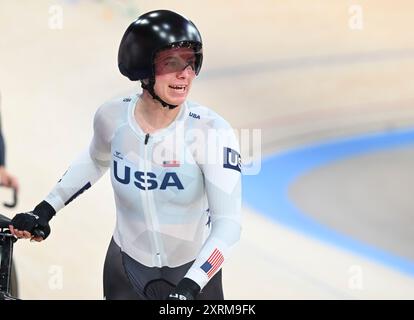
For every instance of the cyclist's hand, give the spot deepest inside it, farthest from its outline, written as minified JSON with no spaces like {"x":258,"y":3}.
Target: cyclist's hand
{"x":23,"y":224}
{"x":186,"y":289}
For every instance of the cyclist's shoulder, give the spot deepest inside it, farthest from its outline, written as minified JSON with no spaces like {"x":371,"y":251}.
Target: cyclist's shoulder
{"x":205,"y":117}
{"x":114,"y":107}
{"x":112,"y":113}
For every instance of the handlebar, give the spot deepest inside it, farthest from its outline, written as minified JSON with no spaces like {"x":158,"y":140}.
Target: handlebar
{"x":4,"y":222}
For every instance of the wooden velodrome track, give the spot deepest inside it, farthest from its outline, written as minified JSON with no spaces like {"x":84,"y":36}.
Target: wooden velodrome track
{"x":295,"y":69}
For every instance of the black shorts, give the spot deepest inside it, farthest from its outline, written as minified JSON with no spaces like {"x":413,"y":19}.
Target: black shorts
{"x":127,"y":279}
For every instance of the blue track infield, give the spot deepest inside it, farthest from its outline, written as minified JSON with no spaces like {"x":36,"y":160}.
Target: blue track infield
{"x":267,"y":192}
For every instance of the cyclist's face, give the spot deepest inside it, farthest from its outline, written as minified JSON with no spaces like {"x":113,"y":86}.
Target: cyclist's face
{"x":174,"y":73}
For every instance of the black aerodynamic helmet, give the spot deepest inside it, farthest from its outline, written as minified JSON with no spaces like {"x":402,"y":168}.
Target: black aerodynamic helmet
{"x":150,"y":33}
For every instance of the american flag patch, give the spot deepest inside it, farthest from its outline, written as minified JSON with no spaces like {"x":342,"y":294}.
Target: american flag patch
{"x":213,"y":263}
{"x":172,"y":163}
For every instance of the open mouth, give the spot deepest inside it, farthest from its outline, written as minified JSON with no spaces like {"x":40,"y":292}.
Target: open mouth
{"x":179,"y":88}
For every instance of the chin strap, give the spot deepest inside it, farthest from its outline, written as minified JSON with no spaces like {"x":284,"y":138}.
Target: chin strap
{"x":150,"y":88}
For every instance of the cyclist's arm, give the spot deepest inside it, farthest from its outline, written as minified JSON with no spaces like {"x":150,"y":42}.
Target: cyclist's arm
{"x":87,"y":168}
{"x":223,"y":188}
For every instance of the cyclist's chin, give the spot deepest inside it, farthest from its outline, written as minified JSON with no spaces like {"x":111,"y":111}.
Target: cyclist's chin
{"x":175,"y":98}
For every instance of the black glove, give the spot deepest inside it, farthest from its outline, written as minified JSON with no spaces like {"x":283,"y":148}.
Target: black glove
{"x":37,"y":219}
{"x":186,"y":289}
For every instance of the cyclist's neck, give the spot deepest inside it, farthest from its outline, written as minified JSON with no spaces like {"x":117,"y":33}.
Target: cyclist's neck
{"x":151,"y":115}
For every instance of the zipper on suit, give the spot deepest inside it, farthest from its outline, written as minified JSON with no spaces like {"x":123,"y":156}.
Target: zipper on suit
{"x":151,"y":215}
